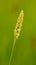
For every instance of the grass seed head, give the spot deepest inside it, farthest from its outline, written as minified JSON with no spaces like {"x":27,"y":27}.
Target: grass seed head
{"x":18,"y":25}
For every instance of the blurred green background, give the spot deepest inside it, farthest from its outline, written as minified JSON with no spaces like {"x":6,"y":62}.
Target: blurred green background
{"x":25,"y":48}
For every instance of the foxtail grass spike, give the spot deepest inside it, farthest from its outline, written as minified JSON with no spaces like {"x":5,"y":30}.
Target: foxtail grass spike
{"x":18,"y":25}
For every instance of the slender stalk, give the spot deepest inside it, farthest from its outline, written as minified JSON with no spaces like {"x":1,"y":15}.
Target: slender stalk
{"x":12,"y":52}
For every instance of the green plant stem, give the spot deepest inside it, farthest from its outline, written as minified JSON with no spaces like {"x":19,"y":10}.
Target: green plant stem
{"x":12,"y":52}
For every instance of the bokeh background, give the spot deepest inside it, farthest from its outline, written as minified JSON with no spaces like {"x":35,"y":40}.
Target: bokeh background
{"x":25,"y":48}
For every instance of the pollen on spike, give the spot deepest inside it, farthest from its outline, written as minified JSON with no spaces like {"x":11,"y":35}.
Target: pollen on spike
{"x":20,"y":18}
{"x":19,"y":24}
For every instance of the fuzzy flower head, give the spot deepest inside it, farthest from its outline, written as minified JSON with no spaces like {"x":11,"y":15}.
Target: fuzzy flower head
{"x":18,"y":25}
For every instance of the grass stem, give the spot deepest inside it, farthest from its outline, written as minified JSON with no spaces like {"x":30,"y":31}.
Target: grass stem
{"x":12,"y":51}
